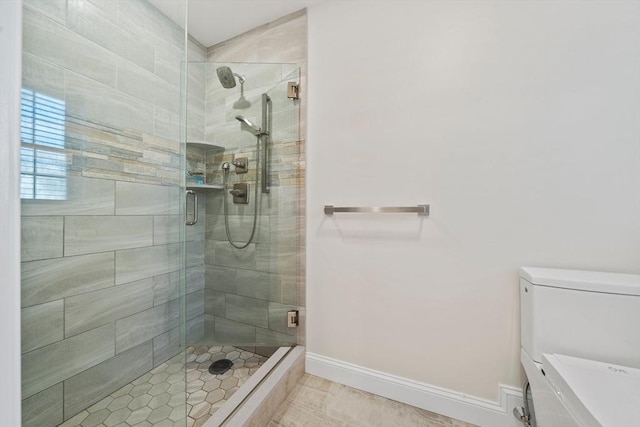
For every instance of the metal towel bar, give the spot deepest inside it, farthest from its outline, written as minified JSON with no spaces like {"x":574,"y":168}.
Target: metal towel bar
{"x":421,"y":210}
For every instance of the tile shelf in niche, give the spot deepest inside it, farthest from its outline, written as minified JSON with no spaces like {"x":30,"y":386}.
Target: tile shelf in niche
{"x":204,"y":144}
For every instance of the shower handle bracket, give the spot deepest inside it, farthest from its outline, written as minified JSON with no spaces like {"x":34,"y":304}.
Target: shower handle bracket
{"x":293,"y":319}
{"x":293,"y":90}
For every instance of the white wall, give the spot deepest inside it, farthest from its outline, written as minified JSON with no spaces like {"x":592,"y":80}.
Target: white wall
{"x":10,"y":78}
{"x":516,"y":121}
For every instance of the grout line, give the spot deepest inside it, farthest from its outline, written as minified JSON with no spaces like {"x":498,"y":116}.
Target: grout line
{"x":63,"y":409}
{"x":64,"y":318}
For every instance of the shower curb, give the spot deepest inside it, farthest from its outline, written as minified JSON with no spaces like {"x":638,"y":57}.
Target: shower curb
{"x":261,"y":406}
{"x":260,"y":397}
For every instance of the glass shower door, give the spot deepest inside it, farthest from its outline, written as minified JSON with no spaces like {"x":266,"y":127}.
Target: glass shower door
{"x":242,"y":277}
{"x":103,"y":296}
{"x":282,"y":256}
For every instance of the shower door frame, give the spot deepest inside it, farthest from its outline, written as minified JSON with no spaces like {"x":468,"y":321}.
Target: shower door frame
{"x":10,"y":92}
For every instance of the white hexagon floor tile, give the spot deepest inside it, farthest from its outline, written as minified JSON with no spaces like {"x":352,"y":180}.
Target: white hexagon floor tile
{"x":158,"y":398}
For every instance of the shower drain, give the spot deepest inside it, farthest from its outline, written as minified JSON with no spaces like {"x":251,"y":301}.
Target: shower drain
{"x":220,"y":366}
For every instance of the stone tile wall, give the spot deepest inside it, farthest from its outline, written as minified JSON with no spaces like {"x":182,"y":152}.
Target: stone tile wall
{"x":101,"y":271}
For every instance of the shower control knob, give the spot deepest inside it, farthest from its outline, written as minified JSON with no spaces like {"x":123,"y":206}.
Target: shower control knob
{"x":240,"y":193}
{"x":241,"y":164}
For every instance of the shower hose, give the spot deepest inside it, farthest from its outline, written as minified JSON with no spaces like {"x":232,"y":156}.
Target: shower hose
{"x":255,"y":202}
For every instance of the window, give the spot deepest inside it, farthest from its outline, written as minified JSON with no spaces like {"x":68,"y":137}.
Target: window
{"x":43,"y":163}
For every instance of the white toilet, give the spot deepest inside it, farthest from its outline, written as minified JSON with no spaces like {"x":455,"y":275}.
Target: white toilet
{"x":580,"y":346}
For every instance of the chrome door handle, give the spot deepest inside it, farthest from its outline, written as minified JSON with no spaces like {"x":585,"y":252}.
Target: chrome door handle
{"x":195,"y":208}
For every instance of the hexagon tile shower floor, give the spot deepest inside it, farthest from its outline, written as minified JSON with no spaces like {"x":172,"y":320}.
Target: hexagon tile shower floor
{"x":157,"y":397}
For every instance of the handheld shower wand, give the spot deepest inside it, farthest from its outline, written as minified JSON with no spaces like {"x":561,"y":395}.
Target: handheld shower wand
{"x":247,"y":125}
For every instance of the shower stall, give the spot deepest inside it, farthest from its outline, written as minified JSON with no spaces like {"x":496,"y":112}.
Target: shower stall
{"x":161,"y":217}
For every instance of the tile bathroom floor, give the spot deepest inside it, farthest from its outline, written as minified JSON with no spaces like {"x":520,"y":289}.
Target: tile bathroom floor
{"x":316,"y":402}
{"x":157,"y":398}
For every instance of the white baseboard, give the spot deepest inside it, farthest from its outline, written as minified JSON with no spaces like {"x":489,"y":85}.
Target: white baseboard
{"x":474,"y":410}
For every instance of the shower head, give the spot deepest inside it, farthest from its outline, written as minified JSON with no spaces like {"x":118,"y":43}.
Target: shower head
{"x":242,"y":103}
{"x":248,"y":126}
{"x":228,"y":78}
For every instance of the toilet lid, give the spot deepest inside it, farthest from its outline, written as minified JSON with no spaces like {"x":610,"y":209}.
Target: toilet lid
{"x":596,"y":393}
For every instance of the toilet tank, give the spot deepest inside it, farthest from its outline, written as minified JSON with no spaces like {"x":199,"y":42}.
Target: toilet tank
{"x":584,"y":314}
